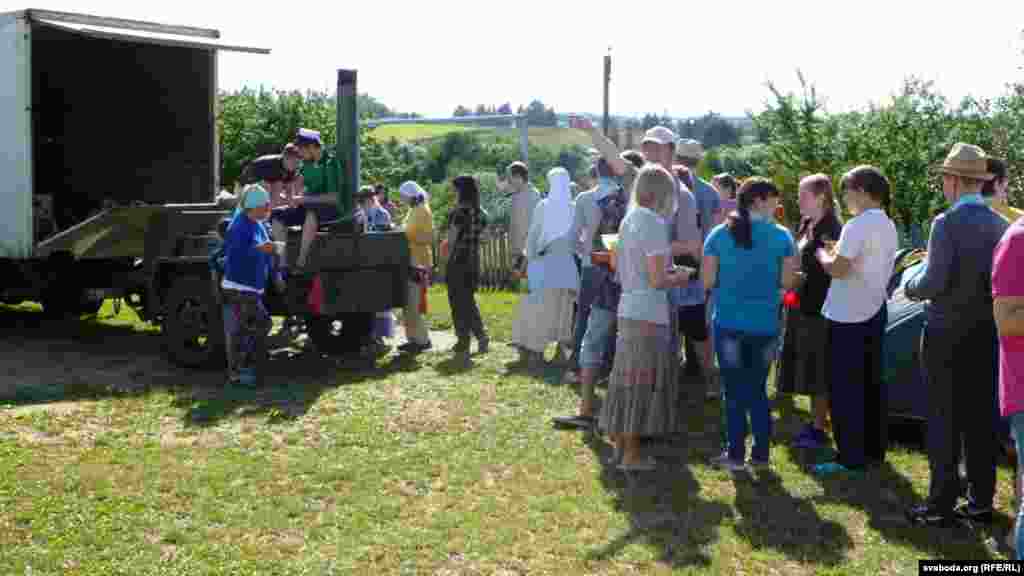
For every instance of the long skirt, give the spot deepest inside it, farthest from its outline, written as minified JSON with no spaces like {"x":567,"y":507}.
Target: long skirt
{"x":803,"y":367}
{"x":544,"y":317}
{"x":643,"y":391}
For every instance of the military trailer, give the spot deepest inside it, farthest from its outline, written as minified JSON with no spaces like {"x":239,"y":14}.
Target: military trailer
{"x":111,"y":170}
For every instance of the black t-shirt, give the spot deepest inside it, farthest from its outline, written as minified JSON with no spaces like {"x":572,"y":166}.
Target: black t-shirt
{"x":268,"y":168}
{"x":815,"y":287}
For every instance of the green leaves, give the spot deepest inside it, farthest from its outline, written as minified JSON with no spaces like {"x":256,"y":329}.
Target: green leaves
{"x":904,"y":137}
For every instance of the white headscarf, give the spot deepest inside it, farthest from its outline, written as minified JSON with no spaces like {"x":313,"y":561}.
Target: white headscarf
{"x":409,"y":190}
{"x":557,"y":209}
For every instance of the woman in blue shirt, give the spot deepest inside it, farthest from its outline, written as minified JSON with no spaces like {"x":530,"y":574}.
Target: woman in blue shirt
{"x":746,"y":262}
{"x":247,"y":262}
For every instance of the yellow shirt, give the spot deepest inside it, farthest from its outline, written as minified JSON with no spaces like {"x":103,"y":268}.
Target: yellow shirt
{"x":419,"y":228}
{"x":1008,"y":212}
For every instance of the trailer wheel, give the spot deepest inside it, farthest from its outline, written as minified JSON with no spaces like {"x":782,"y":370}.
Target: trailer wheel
{"x":325,"y":333}
{"x":193,"y":327}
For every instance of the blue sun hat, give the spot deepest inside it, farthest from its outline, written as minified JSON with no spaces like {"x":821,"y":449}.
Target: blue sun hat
{"x":307,"y":136}
{"x":253,"y":196}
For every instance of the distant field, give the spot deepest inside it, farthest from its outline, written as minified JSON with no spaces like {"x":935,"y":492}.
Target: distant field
{"x":539,"y":135}
{"x":416,"y":132}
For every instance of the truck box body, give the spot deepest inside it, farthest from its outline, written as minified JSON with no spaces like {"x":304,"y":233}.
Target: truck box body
{"x":96,"y":112}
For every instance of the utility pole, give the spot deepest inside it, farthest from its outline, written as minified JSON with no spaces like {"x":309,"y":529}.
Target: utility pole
{"x":607,"y":81}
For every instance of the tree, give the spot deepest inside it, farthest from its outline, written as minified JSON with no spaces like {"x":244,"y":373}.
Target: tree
{"x":539,"y":115}
{"x":461,"y":110}
{"x":717,"y":131}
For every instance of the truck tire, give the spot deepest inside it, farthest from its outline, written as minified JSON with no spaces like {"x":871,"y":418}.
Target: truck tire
{"x":193,"y":330}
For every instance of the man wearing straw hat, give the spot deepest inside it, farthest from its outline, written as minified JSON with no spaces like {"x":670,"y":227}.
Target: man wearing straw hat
{"x":962,"y":396}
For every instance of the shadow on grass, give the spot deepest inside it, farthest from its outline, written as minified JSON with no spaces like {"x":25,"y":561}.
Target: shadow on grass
{"x":664,"y":507}
{"x":771,"y":517}
{"x":665,"y":511}
{"x":67,"y":360}
{"x":884,"y":493}
{"x":79,"y":359}
{"x":290,"y":387}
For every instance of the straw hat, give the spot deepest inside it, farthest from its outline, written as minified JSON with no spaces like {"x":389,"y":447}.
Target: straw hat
{"x":966,"y":160}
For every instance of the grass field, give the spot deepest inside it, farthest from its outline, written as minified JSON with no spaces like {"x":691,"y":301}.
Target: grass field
{"x":544,"y":136}
{"x":423,"y":467}
{"x":416,"y":132}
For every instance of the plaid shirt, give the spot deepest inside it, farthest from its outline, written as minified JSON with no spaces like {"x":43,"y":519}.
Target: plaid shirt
{"x":465,"y":227}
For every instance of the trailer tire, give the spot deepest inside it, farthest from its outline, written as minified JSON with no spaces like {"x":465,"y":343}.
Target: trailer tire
{"x":193,"y":326}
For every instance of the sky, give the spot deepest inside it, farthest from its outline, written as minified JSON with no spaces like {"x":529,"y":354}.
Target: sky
{"x":679,"y":58}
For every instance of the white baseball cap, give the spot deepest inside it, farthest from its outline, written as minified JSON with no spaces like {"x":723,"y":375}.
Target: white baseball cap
{"x":659,"y":135}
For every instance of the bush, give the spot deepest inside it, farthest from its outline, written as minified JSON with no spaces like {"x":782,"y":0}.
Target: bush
{"x":904,"y":138}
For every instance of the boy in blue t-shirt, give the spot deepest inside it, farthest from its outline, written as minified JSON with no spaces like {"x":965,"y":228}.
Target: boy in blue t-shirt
{"x":248,"y":256}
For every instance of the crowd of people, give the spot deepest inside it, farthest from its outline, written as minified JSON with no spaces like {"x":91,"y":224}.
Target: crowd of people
{"x":652,"y":265}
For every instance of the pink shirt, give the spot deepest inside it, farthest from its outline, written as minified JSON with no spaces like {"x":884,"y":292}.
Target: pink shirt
{"x":1008,"y":281}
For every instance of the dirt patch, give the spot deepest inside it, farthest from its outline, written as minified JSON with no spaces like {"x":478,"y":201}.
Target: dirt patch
{"x":52,"y":408}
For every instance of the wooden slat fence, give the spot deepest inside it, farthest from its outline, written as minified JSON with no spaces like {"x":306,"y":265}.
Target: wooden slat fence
{"x":495,"y":260}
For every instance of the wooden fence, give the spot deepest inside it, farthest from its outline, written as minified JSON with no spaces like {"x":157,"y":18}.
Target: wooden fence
{"x":495,"y":260}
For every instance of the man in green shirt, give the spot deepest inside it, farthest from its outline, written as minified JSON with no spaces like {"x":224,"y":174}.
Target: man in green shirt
{"x":324,"y":198}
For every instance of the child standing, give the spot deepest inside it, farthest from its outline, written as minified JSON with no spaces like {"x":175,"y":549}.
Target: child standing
{"x":247,"y":263}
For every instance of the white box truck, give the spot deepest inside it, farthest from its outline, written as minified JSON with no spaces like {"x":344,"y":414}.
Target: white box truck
{"x":104,"y":122}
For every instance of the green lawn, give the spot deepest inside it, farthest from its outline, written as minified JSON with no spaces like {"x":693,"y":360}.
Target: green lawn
{"x":421,"y":467}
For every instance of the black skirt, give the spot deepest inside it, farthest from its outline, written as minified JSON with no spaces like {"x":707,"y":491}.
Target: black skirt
{"x":803,"y":367}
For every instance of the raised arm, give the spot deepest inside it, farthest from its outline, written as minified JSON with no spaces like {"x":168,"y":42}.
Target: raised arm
{"x":609,"y":151}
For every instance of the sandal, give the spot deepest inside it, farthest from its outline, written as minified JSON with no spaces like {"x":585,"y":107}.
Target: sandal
{"x":580,"y":422}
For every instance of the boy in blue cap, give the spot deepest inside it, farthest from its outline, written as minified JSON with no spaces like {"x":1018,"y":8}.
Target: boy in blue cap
{"x":247,"y":265}
{"x":323,"y":200}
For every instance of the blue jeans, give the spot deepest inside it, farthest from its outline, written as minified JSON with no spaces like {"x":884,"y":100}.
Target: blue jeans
{"x":588,"y":284}
{"x":744,"y":360}
{"x":1017,"y":429}
{"x":597,"y":339}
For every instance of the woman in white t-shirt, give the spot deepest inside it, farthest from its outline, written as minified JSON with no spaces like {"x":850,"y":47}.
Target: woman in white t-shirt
{"x":860,"y":266}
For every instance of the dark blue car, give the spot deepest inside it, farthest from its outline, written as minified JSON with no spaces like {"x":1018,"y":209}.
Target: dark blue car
{"x":901,"y":370}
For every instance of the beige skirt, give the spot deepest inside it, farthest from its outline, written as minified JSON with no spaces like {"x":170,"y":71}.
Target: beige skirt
{"x":544,"y":317}
{"x":643,"y":391}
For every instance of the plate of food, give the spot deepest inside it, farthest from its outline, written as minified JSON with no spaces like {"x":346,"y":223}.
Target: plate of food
{"x":610,"y":241}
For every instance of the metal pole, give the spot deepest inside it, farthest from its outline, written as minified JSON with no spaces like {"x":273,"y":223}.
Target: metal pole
{"x":607,"y":81}
{"x":524,"y":139}
{"x":347,"y":138}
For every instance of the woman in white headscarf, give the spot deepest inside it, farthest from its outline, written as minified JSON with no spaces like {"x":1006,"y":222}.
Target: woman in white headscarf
{"x":545,"y":315}
{"x":419,"y":229}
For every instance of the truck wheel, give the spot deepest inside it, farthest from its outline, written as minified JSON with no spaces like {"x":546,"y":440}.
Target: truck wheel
{"x":193,"y":330}
{"x":325,"y":333}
